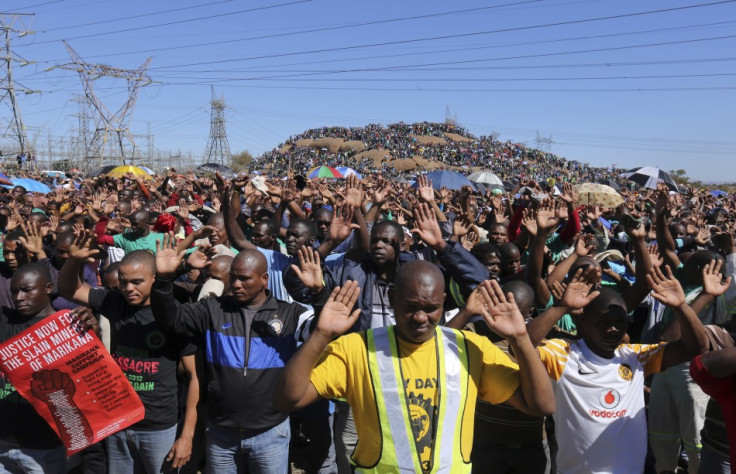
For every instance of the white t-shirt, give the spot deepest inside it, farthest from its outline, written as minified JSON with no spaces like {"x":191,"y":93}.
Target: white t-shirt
{"x":600,"y":422}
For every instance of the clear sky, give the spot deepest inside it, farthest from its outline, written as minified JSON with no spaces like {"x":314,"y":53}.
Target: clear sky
{"x":609,"y":82}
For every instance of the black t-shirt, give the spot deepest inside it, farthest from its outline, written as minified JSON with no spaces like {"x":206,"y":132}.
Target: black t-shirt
{"x":147,"y":356}
{"x":20,"y":424}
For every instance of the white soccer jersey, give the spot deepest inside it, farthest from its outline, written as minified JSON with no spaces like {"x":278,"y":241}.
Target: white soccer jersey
{"x":600,"y":423}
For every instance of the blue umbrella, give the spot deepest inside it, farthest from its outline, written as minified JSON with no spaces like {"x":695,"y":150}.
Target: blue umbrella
{"x":718,"y":193}
{"x":31,"y":185}
{"x":346,"y":171}
{"x":447,"y":179}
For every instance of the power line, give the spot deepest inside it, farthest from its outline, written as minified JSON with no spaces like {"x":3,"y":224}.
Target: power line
{"x":144,"y":15}
{"x":470,"y":61}
{"x":177,"y":22}
{"x":466,"y":49}
{"x":453,"y":36}
{"x":327,"y":28}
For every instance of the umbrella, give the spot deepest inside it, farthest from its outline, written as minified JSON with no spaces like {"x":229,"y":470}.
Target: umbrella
{"x":147,"y":170}
{"x":324,"y":172}
{"x":53,"y":173}
{"x":215,"y":167}
{"x":345,"y":172}
{"x":5,"y":179}
{"x":31,"y":185}
{"x":718,"y":193}
{"x":612,"y":184}
{"x":447,"y":179}
{"x":649,"y":176}
{"x":486,"y":177}
{"x":594,"y":194}
{"x":120,"y":171}
{"x":102,"y":170}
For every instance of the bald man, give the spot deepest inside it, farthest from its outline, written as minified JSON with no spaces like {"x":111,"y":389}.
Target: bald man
{"x":249,"y":337}
{"x":413,"y":386}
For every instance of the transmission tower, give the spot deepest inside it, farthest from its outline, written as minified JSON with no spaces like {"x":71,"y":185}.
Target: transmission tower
{"x":108,"y":126}
{"x":9,"y":87}
{"x":544,"y":143}
{"x":218,"y":148}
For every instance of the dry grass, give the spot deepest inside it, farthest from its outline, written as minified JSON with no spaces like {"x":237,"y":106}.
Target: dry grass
{"x":403,"y":164}
{"x":332,"y":144}
{"x":303,"y":142}
{"x":284,"y":149}
{"x":458,"y":138}
{"x":377,"y":155}
{"x":353,"y":145}
{"x":429,"y":140}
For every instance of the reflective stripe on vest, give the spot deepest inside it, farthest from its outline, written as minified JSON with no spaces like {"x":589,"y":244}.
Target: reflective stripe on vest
{"x":398,"y":446}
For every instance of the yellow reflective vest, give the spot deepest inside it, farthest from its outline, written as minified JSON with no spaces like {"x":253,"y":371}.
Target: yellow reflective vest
{"x":398,"y":447}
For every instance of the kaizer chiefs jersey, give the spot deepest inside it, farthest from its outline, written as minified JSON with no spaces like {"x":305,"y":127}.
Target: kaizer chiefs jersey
{"x":600,"y":423}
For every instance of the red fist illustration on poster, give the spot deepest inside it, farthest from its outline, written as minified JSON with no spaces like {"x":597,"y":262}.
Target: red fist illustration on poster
{"x":56,"y":389}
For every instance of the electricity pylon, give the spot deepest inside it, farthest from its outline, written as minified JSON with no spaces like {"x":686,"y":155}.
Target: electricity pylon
{"x":109,"y":126}
{"x":218,"y":148}
{"x":9,"y":87}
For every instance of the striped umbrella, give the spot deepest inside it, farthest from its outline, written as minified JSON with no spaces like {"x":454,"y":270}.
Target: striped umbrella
{"x":324,"y":172}
{"x":649,"y":177}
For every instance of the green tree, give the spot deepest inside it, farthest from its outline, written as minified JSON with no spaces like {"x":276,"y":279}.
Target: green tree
{"x":241,"y":161}
{"x":680,"y":176}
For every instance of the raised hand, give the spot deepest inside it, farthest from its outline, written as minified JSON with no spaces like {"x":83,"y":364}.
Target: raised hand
{"x":353,"y":192}
{"x":654,"y":255}
{"x":665,"y":287}
{"x":199,"y":258}
{"x":425,"y":189}
{"x":338,"y":316}
{"x":577,"y":294}
{"x":427,"y":227}
{"x":33,"y":240}
{"x":702,"y":237}
{"x":503,"y":315}
{"x":309,"y":270}
{"x":461,"y":226}
{"x":583,"y":245}
{"x":380,"y":192}
{"x":183,"y":210}
{"x":547,"y":217}
{"x":569,"y":195}
{"x":713,"y":282}
{"x":529,"y":221}
{"x":80,"y":248}
{"x":341,"y":225}
{"x":167,"y":258}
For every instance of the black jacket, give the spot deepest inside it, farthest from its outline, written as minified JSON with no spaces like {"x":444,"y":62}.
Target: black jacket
{"x":245,"y":351}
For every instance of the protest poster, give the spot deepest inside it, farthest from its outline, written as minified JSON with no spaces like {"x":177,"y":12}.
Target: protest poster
{"x":71,"y":381}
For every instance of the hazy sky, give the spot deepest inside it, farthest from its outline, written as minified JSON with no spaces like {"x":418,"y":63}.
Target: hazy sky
{"x":626,"y":82}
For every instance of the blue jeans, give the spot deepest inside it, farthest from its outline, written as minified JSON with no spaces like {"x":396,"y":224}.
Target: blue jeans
{"x":137,"y":451}
{"x":713,"y":462}
{"x":233,"y":451}
{"x":15,"y":460}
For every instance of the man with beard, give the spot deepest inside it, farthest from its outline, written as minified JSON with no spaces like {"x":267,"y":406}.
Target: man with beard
{"x":147,"y":357}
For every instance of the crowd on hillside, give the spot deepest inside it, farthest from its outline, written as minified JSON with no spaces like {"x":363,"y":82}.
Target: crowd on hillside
{"x":505,"y":158}
{"x":340,"y":326}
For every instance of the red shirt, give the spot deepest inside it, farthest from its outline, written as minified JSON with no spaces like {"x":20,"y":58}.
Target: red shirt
{"x":723,"y":390}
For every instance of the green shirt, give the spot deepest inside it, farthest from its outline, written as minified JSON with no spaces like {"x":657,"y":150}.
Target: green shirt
{"x":131,"y":241}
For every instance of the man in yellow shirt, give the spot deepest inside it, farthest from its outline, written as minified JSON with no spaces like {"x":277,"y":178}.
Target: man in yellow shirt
{"x":413,"y":386}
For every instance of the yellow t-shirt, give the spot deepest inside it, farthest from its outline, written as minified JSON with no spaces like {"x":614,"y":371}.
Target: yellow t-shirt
{"x":342,"y":372}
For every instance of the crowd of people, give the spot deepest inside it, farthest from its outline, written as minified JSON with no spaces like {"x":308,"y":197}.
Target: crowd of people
{"x":459,"y":149}
{"x":370,"y":325}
